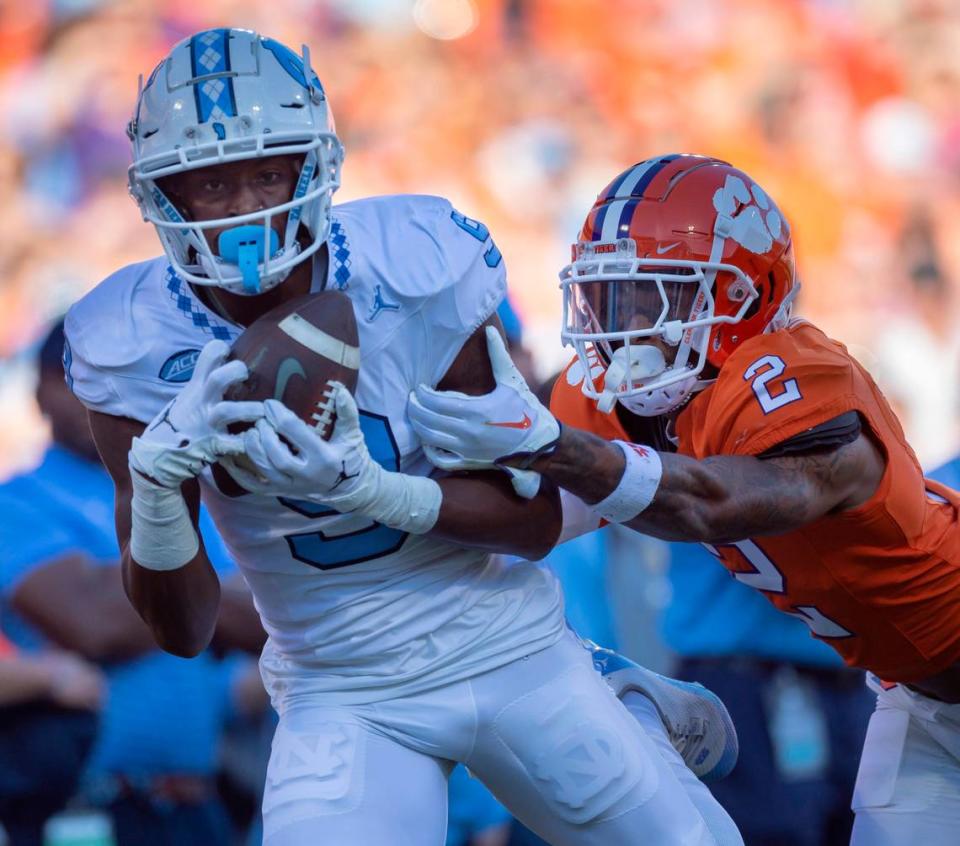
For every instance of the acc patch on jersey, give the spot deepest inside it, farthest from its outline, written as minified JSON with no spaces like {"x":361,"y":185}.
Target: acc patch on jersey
{"x":179,"y":367}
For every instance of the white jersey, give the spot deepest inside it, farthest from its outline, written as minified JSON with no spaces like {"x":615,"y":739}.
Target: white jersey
{"x":354,"y":610}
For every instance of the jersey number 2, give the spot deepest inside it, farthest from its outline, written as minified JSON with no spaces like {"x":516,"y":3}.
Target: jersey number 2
{"x":328,"y":552}
{"x":764,"y":370}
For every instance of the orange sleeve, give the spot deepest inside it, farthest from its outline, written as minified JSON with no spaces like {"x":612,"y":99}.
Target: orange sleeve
{"x":569,"y":405}
{"x":771,"y":389}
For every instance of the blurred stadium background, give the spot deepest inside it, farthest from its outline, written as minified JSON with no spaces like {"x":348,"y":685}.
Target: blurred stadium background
{"x":520,"y":111}
{"x":847,"y":111}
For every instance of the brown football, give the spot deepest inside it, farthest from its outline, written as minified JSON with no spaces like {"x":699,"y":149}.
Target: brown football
{"x":292,"y":352}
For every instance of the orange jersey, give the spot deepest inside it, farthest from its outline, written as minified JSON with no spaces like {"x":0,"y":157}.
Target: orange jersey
{"x":881,"y":582}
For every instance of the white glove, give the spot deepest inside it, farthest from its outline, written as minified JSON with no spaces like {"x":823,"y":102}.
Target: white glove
{"x":191,"y":431}
{"x":338,"y":473}
{"x":461,"y":432}
{"x":313,"y":467}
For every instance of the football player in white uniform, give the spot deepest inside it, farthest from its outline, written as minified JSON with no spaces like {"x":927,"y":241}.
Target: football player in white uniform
{"x":396,"y":645}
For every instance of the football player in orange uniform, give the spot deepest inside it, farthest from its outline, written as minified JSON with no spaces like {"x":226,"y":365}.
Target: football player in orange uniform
{"x":696,"y":409}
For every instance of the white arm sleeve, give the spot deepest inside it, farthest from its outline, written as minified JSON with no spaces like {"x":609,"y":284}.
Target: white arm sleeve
{"x":578,"y":517}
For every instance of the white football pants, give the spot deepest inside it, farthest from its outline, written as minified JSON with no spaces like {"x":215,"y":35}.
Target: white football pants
{"x":544,"y":733}
{"x":908,"y":785}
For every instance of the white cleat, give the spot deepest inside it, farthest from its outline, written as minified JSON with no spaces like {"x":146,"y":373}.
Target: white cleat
{"x":697,"y":722}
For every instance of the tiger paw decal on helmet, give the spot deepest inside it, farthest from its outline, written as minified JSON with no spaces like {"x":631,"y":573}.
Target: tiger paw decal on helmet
{"x":752,"y":226}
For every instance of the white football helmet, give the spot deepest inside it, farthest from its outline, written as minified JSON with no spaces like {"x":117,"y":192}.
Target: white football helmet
{"x":225,"y":95}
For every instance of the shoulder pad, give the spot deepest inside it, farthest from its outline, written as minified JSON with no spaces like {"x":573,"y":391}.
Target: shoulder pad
{"x":772,"y":388}
{"x":419,"y":242}
{"x":109,"y":334}
{"x":103,"y":323}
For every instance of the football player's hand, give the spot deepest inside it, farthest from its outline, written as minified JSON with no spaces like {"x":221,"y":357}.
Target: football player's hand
{"x":286,"y":457}
{"x":289,"y":458}
{"x":191,"y":431}
{"x":507,"y":428}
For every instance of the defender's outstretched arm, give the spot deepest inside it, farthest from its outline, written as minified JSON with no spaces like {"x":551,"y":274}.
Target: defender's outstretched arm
{"x":719,"y":499}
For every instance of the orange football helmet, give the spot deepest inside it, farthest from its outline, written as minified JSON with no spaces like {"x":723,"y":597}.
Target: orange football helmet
{"x":680,"y":260}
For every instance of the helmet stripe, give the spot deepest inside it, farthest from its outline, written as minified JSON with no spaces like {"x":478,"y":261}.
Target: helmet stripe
{"x":629,"y":187}
{"x":210,"y":65}
{"x":634,"y":182}
{"x":231,"y":97}
{"x":598,"y":222}
{"x":612,"y":220}
{"x":647,"y":178}
{"x":626,"y":216}
{"x":193,"y":75}
{"x":623,"y":186}
{"x":614,"y":188}
{"x":630,"y":184}
{"x":615,"y":222}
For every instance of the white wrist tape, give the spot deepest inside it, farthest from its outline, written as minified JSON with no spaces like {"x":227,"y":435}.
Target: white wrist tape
{"x":637,"y":486}
{"x":162,"y":536}
{"x":408,"y":503}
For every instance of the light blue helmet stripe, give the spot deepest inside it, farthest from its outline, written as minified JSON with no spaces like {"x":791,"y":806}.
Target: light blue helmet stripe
{"x":210,"y":58}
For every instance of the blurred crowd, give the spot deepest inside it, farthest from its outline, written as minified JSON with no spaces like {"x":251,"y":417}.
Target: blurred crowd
{"x":846,"y":111}
{"x":520,"y":111}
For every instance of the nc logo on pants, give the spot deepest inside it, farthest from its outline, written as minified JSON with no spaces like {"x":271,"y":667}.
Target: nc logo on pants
{"x":572,"y":748}
{"x":581,"y":767}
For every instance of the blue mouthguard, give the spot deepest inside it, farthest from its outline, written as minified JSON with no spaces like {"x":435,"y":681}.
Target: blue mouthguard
{"x":243,"y":246}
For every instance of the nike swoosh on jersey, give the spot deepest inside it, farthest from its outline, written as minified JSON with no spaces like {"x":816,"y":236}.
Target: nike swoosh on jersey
{"x":526,"y":423}
{"x":288,"y":368}
{"x":666,"y":249}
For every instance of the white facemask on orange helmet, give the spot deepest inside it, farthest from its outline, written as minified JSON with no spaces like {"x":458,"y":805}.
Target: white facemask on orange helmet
{"x":680,"y":260}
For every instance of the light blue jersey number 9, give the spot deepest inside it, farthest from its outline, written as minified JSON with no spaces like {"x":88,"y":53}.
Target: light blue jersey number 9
{"x":477,"y":230}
